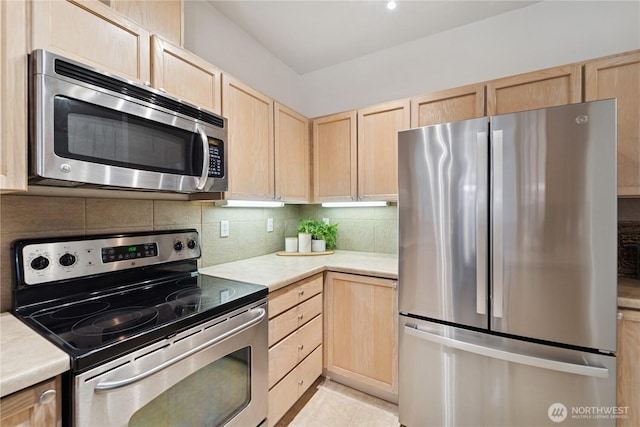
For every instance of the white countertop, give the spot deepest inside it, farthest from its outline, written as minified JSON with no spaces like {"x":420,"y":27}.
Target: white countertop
{"x":276,"y":271}
{"x":26,"y":358}
{"x":628,"y":293}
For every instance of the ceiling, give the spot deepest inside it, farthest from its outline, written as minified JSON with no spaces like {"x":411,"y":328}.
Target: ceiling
{"x":310,"y":35}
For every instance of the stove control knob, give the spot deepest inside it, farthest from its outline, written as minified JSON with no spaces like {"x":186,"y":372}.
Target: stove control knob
{"x":191,"y":244}
{"x":67,"y":260}
{"x":178,"y":245}
{"x":39,"y":263}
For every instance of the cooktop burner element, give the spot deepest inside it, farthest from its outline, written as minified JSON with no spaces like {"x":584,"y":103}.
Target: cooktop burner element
{"x":98,"y":311}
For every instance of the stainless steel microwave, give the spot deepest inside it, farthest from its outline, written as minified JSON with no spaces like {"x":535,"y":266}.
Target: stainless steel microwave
{"x":92,"y":128}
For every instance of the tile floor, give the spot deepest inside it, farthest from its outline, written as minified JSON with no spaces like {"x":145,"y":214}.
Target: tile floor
{"x":329,"y":404}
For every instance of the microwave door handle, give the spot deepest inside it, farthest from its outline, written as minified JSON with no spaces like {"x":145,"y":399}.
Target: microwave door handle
{"x":205,"y":158}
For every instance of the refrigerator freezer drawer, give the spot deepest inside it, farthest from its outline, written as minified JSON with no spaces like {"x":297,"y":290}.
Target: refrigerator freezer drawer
{"x":456,"y":377}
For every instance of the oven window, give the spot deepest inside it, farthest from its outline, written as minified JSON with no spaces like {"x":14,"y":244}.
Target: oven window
{"x":96,"y":134}
{"x":210,"y":396}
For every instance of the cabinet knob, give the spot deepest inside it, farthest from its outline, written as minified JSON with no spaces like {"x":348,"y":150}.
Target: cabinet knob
{"x":162,"y":90}
{"x":47,"y":396}
{"x":301,"y":347}
{"x":147,"y":83}
{"x":300,"y":316}
{"x":300,"y":382}
{"x":620,"y":315}
{"x":301,"y":292}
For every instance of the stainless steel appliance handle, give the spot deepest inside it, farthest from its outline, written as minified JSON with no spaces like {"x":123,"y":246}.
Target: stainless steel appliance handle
{"x":522,"y":359}
{"x":481,"y":222}
{"x":257,"y":315}
{"x":496,"y":225}
{"x":205,"y":158}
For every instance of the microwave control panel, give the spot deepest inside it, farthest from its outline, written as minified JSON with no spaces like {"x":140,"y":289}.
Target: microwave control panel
{"x":216,"y":158}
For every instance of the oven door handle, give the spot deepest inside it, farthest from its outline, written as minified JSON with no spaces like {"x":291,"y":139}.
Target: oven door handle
{"x":257,"y":313}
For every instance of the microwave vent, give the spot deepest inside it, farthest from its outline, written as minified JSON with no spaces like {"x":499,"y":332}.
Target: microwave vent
{"x":73,"y":71}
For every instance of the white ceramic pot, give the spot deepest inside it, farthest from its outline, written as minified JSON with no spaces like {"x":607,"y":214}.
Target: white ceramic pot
{"x":304,"y":242}
{"x":291,"y":244}
{"x":318,"y":246}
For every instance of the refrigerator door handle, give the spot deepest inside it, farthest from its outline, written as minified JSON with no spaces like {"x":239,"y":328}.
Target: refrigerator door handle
{"x":496,"y":225}
{"x":481,"y":222}
{"x":495,"y":353}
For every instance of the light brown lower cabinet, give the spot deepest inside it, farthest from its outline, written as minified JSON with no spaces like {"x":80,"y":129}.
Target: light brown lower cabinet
{"x":361,"y":333}
{"x":295,"y":343}
{"x":629,"y":366}
{"x":36,"y":406}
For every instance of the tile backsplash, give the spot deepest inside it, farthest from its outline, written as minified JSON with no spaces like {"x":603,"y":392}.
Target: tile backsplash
{"x":21,"y":217}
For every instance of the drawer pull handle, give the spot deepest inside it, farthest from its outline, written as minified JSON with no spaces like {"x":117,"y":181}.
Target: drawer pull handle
{"x":301,"y":347}
{"x":47,"y":396}
{"x":300,"y":382}
{"x":301,"y":292}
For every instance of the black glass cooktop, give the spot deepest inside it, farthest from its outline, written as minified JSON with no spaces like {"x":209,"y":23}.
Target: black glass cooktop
{"x":98,"y":329}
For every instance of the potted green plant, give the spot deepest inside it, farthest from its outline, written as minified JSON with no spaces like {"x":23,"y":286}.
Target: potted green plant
{"x":323,"y":236}
{"x":306,"y":228}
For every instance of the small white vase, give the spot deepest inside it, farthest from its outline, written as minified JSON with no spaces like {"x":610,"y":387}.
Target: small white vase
{"x":291,"y":244}
{"x":318,"y":246}
{"x":304,"y":242}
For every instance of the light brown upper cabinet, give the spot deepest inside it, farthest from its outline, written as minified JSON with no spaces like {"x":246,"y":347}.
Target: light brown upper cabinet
{"x":13,"y":96}
{"x":185,"y":75}
{"x":292,"y":155}
{"x":618,"y":77}
{"x":334,"y":157}
{"x":378,"y":128}
{"x":450,"y":105}
{"x":250,"y":141}
{"x":163,"y":18}
{"x":92,"y":33}
{"x":540,"y":89}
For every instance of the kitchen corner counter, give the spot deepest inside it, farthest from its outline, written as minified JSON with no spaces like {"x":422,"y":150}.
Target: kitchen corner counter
{"x":26,"y":358}
{"x":276,"y":271}
{"x":628,"y":293}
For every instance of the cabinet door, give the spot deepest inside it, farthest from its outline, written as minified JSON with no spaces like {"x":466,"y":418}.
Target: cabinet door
{"x":163,"y":18}
{"x":628,"y":368}
{"x":35,"y":406}
{"x":13,"y":96}
{"x":378,"y":128}
{"x":250,"y":140}
{"x":361,"y":330}
{"x":540,"y":89}
{"x":448,"y":106}
{"x":619,"y":77}
{"x":92,"y":33}
{"x":334,"y":157}
{"x":292,"y":155}
{"x":185,"y":75}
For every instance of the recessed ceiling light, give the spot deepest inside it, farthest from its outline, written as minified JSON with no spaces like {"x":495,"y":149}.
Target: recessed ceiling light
{"x":391,"y":5}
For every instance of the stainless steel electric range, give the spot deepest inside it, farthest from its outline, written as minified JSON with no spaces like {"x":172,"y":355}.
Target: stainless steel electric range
{"x":151,"y":341}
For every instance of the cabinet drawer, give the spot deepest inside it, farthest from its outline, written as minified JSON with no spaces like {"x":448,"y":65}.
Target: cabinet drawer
{"x":285,"y":298}
{"x":288,"y":391}
{"x":289,"y":321}
{"x":289,"y":352}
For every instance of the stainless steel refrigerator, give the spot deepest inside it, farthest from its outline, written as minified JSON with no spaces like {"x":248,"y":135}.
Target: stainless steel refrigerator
{"x":507,"y":270}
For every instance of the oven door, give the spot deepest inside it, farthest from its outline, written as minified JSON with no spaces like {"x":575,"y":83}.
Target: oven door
{"x":214,"y":374}
{"x":88,"y":134}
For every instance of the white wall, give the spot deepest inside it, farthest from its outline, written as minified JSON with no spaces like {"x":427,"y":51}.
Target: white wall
{"x":216,"y":39}
{"x":543,"y":35}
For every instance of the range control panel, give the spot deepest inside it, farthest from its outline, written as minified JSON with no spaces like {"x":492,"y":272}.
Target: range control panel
{"x":50,"y":260}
